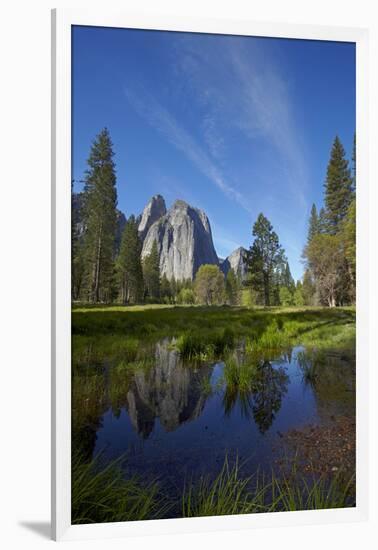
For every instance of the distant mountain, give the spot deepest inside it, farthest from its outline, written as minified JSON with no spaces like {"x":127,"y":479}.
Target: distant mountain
{"x":237,"y":261}
{"x":184,"y":241}
{"x":183,"y":236}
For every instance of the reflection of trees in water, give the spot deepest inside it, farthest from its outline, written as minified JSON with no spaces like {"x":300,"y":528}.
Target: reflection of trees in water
{"x":269,"y":388}
{"x":262,"y":398}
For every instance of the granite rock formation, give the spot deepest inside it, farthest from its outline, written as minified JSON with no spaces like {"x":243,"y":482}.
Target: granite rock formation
{"x":184,"y":241}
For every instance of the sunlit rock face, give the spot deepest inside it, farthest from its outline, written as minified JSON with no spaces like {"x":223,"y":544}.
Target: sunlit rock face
{"x":152,"y":212}
{"x":169,"y":391}
{"x":184,"y":241}
{"x":237,"y":261}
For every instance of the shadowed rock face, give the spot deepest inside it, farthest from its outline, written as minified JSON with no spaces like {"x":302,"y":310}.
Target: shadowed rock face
{"x":237,"y":261}
{"x":152,"y":212}
{"x":184,"y":241}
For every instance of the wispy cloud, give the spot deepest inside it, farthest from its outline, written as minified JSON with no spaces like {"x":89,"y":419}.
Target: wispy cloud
{"x":267,"y":109}
{"x":246,"y":90}
{"x":162,"y":120}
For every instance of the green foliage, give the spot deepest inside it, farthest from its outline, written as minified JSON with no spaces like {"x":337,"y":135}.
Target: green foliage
{"x":349,"y":244}
{"x":338,"y":188}
{"x":129,"y":265}
{"x":186,"y":296}
{"x":101,"y":494}
{"x":286,"y":297}
{"x":227,"y":494}
{"x":314,"y":225}
{"x":298,"y":295}
{"x":206,"y":344}
{"x":209,"y":285}
{"x":232,"y":493}
{"x":99,"y":219}
{"x":232,"y":288}
{"x":166,"y":294}
{"x":264,"y":256}
{"x":325,"y":260}
{"x":308,"y":289}
{"x":151,"y":273}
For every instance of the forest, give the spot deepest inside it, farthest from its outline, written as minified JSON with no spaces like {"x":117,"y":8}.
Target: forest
{"x":109,"y":270}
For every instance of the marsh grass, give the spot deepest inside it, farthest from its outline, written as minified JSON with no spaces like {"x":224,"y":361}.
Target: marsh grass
{"x":205,"y":345}
{"x":227,"y":494}
{"x":300,"y":493}
{"x":232,"y":493}
{"x":101,"y":494}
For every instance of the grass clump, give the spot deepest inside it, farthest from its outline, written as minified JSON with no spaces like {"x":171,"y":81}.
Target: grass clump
{"x":315,"y":494}
{"x":205,"y":345}
{"x":227,"y":494}
{"x":231,"y":493}
{"x":101,"y":494}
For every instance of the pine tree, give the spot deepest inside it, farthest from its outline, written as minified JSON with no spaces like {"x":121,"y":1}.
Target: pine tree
{"x":99,"y":216}
{"x":264,"y":256}
{"x":322,"y":221}
{"x":354,"y":164}
{"x":308,"y":289}
{"x":129,"y":265}
{"x":165,"y":289}
{"x":151,"y":273}
{"x":338,"y":188}
{"x":313,"y":226}
{"x":287,"y":278}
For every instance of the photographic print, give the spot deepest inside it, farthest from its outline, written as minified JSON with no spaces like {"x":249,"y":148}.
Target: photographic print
{"x":213,"y":274}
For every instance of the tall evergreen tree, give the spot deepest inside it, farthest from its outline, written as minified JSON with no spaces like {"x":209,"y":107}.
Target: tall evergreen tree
{"x":264,"y":256}
{"x":99,"y":216}
{"x":287,"y":278}
{"x":354,"y":163}
{"x":129,"y":265}
{"x":338,"y":188}
{"x":322,"y":221}
{"x":313,"y":226}
{"x":151,"y":273}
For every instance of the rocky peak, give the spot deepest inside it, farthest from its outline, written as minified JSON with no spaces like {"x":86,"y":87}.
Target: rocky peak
{"x":152,"y":212}
{"x":237,"y":261}
{"x":184,"y":241}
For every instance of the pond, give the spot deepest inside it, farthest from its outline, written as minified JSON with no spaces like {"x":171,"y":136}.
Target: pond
{"x":177,"y":420}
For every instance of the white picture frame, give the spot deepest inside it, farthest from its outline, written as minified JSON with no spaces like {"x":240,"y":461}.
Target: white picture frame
{"x":62,"y":20}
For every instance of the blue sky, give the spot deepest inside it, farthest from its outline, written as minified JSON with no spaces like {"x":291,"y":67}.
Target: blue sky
{"x":233,"y":125}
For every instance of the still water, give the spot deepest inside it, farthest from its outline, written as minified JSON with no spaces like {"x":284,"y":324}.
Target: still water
{"x":177,"y":420}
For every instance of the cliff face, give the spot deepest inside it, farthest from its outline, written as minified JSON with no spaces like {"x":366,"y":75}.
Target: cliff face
{"x":237,"y":261}
{"x":184,"y":241}
{"x":152,"y":212}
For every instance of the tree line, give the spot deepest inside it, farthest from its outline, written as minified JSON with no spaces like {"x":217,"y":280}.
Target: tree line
{"x":330,"y":251}
{"x":105,"y":272}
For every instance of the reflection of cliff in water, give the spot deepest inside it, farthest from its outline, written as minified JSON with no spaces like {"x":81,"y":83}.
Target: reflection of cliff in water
{"x":168,"y":391}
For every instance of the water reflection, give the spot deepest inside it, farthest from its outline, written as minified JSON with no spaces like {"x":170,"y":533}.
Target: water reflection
{"x":261,"y":398}
{"x":169,"y":391}
{"x":163,"y":406}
